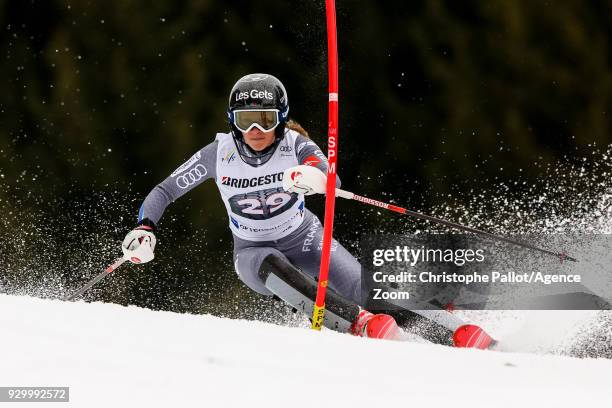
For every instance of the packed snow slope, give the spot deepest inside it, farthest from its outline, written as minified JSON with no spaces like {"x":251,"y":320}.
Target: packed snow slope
{"x":115,"y":356}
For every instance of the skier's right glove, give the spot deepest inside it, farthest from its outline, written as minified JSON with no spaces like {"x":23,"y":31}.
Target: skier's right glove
{"x":305,"y":180}
{"x":139,"y":244}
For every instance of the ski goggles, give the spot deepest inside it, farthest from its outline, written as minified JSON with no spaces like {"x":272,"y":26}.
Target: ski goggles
{"x":263,"y":119}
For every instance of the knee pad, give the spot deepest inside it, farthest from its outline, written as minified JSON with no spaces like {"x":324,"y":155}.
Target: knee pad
{"x":247,"y":263}
{"x":299,"y":291}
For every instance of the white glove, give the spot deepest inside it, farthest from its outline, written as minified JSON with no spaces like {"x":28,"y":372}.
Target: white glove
{"x":139,"y":244}
{"x":305,"y":180}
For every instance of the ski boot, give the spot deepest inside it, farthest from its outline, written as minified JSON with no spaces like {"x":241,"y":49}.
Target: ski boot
{"x":470,"y":335}
{"x":379,"y":326}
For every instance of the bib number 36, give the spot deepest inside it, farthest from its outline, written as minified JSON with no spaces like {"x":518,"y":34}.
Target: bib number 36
{"x":263,"y":204}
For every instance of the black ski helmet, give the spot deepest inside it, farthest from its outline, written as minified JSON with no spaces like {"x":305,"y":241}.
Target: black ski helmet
{"x":258,"y":92}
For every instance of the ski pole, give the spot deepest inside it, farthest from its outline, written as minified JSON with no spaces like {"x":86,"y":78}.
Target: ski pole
{"x":352,"y":196}
{"x":118,"y":262}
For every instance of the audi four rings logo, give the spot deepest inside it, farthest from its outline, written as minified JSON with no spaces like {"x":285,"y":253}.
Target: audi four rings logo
{"x":286,"y":148}
{"x":192,"y":176}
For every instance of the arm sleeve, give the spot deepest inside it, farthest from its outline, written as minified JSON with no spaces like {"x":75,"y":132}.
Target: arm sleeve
{"x":310,"y":154}
{"x":200,"y":167}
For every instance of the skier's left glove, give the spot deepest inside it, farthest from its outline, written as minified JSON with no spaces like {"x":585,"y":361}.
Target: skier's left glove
{"x":139,"y":244}
{"x":305,"y":180}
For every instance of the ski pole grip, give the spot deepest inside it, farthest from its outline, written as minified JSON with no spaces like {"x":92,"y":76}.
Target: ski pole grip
{"x":344,"y":194}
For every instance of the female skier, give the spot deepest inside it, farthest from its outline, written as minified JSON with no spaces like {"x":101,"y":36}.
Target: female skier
{"x":263,"y":168}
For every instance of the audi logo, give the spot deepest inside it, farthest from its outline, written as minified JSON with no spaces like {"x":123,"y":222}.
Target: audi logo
{"x":192,"y":176}
{"x":286,"y":148}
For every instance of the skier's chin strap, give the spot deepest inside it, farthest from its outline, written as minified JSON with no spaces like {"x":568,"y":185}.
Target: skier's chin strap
{"x":254,"y":157}
{"x":269,"y":149}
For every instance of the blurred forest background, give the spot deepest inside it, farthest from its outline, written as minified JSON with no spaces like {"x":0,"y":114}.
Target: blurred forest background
{"x":441,"y":102}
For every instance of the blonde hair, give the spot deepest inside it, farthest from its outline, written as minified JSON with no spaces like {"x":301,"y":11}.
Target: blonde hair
{"x":293,"y":125}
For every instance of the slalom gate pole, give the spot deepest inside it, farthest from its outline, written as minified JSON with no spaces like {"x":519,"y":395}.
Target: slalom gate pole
{"x":352,"y":196}
{"x":118,"y":262}
{"x":318,"y":314}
